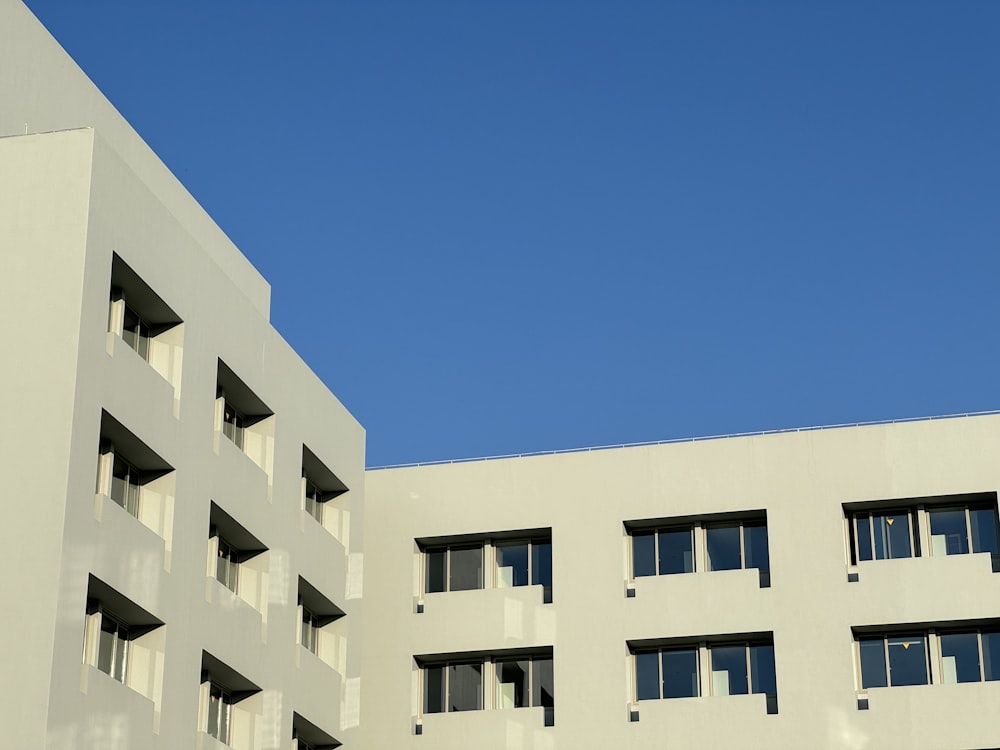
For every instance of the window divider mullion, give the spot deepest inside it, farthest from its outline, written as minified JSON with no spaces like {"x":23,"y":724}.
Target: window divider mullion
{"x":743,"y":558}
{"x":746,"y":656}
{"x":979,"y":645}
{"x":888,"y":669}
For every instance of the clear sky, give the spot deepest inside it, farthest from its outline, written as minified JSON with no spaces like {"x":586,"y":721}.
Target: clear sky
{"x":496,"y":227}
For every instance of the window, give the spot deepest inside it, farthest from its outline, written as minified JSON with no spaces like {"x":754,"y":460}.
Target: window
{"x":956,"y":531}
{"x":524,"y":682}
{"x":125,"y":485}
{"x":670,"y":673}
{"x":524,"y":563}
{"x":454,"y":568}
{"x":308,"y":736}
{"x":936,"y":526}
{"x":316,"y":613}
{"x":688,"y":669}
{"x":512,"y":559}
{"x":144,"y":321}
{"x":884,"y":535}
{"x":517,"y":680}
{"x":730,"y":543}
{"x":227,"y":565}
{"x":115,"y":628}
{"x":453,"y":687}
{"x":314,"y":501}
{"x":319,"y":485}
{"x":112,"y":647}
{"x":243,"y":418}
{"x":968,"y":654}
{"x":904,"y":655}
{"x":310,"y":624}
{"x":128,"y":470}
{"x":970,"y":657}
{"x":135,"y":331}
{"x":233,"y":424}
{"x":220,"y":702}
{"x":228,"y":700}
{"x":238,"y":560}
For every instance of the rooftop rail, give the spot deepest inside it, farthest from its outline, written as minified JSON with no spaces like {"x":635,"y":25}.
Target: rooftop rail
{"x":781,"y":431}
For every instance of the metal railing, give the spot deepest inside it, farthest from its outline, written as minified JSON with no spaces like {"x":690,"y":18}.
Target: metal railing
{"x":781,"y":431}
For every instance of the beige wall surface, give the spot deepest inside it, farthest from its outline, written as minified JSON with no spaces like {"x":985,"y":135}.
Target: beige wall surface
{"x":70,"y":202}
{"x":801,"y":479}
{"x":43,"y":231}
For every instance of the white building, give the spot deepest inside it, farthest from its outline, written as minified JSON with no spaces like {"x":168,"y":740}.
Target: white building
{"x":183,"y":540}
{"x":186,"y":503}
{"x":821,"y":588}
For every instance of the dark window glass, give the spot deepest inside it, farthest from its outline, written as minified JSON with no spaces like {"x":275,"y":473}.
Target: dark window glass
{"x":309,"y":625}
{"x":136,"y":332}
{"x":984,"y":530}
{"x":466,"y":569}
{"x":873,"y":672}
{"x":125,"y":485}
{"x":644,"y":554}
{"x":512,"y":684}
{"x":723,"y":544}
{"x":907,"y":660}
{"x":864,"y":537}
{"x":512,"y":564}
{"x":541,"y":563}
{"x":948,"y":532}
{"x":755,"y":547}
{"x":729,"y":670}
{"x":542,"y":683}
{"x":647,"y":675}
{"x":676,"y":551}
{"x":680,"y":673}
{"x":226,"y":567}
{"x":437,"y":567}
{"x":233,"y":424}
{"x":219,"y":702}
{"x":465,"y":687}
{"x":314,"y":501}
{"x":762,"y":675}
{"x":106,"y":645}
{"x":434,"y":690}
{"x":892,"y":535}
{"x":991,"y":656}
{"x":960,"y":657}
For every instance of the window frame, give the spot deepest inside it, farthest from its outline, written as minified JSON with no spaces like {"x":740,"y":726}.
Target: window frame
{"x":489,"y":697}
{"x":314,"y":500}
{"x":231,"y":555}
{"x":133,"y":489}
{"x":118,"y":665}
{"x":309,"y":638}
{"x":141,"y":331}
{"x":703,"y":664}
{"x":234,"y":423}
{"x":223,"y":724}
{"x":920,"y":514}
{"x":700,"y":528}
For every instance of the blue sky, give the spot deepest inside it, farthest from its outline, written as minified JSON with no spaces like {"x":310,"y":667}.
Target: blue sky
{"x":497,"y":227}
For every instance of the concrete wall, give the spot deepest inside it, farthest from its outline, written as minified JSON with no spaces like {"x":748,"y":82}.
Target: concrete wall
{"x":802,"y":480}
{"x":69,"y":202}
{"x":43,"y":233}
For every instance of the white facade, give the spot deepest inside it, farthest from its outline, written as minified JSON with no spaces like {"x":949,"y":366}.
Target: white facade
{"x":810,"y":486}
{"x":160,"y":558}
{"x":186,"y":501}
